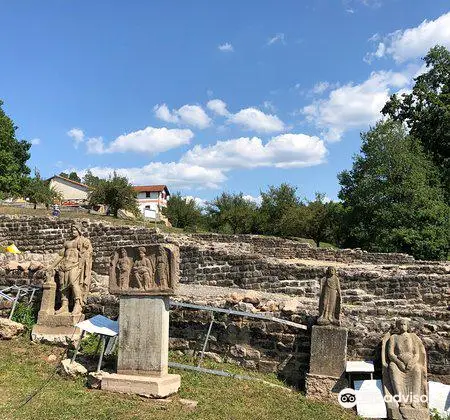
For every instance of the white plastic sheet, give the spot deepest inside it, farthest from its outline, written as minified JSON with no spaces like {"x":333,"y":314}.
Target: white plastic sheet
{"x":99,"y":324}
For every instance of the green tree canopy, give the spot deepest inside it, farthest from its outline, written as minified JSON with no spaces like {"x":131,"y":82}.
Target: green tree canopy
{"x":90,"y":179}
{"x":231,"y":213}
{"x":318,"y":218}
{"x":426,"y":110}
{"x":115,"y":192}
{"x":393,"y":198}
{"x":72,"y":176}
{"x":277,"y":210}
{"x":13,"y":157}
{"x":38,"y":191}
{"x":182,"y":212}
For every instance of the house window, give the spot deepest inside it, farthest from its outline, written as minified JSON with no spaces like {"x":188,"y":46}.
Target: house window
{"x":147,"y":195}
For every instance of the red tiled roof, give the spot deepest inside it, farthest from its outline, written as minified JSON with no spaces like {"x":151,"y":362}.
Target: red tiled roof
{"x":150,"y":188}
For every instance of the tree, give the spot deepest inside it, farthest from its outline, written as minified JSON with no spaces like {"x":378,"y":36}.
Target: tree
{"x":392,"y":196}
{"x":276,"y":210}
{"x":90,"y":179}
{"x":317,"y":220}
{"x":72,"y":176}
{"x":13,"y":157}
{"x":182,"y":212}
{"x":426,"y":110}
{"x":38,"y":191}
{"x":115,"y":192}
{"x":231,"y":213}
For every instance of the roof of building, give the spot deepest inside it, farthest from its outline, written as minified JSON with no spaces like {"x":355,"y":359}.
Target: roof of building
{"x":69,"y":180}
{"x":151,"y":188}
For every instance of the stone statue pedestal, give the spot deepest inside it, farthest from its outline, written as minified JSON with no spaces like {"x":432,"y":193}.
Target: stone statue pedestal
{"x":52,"y":328}
{"x":143,"y":349}
{"x":326,"y":377}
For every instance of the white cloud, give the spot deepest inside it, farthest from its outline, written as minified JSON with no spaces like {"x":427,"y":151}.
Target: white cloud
{"x":254,"y":119}
{"x":199,"y":201}
{"x":320,"y":87}
{"x":77,"y":136}
{"x":227,"y":47}
{"x":283,"y":151}
{"x":256,"y":200}
{"x":193,"y":115}
{"x":269,"y":106}
{"x":164,"y":114}
{"x":95,"y":145}
{"x":35,"y":142}
{"x":277,"y":38}
{"x":218,"y":106}
{"x":355,"y":106}
{"x":175,"y":175}
{"x":412,"y":43}
{"x":150,"y":140}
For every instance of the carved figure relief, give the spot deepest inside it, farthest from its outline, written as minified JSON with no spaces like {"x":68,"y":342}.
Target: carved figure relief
{"x":404,"y":373}
{"x":151,"y":269}
{"x":330,"y":299}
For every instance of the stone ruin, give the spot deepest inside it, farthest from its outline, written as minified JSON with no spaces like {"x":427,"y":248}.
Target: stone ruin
{"x":265,"y":275}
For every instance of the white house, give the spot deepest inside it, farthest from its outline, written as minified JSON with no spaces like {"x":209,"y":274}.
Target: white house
{"x":72,"y":191}
{"x":151,"y":200}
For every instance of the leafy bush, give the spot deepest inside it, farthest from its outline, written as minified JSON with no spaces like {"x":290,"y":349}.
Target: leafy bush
{"x":26,"y":315}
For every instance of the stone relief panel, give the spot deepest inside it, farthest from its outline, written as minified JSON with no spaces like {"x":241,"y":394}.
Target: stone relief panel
{"x":144,"y":270}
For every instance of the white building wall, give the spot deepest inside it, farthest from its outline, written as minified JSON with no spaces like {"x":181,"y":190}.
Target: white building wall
{"x":68,"y":190}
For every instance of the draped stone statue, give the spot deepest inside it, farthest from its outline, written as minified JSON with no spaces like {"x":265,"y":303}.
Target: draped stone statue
{"x":74,"y":271}
{"x":404,"y":373}
{"x":144,"y":270}
{"x":330,"y":299}
{"x":150,"y":269}
{"x":65,"y":289}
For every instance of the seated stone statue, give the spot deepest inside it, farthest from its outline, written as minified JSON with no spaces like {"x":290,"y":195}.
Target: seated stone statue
{"x":144,"y":270}
{"x":330,"y":299}
{"x":404,"y":372}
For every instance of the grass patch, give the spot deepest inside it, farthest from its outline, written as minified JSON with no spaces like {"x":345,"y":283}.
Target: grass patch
{"x":24,"y":367}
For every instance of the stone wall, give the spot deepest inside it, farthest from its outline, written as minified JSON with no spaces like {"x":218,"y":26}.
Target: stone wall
{"x":376,"y":289}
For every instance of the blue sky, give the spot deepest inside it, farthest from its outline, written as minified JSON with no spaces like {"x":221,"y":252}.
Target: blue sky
{"x":209,"y":96}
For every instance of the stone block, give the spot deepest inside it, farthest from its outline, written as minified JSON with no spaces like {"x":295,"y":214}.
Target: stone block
{"x":143,"y":335}
{"x":328,"y":351}
{"x":150,"y":386}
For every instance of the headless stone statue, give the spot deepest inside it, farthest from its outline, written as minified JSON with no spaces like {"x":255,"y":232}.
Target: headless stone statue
{"x":404,"y":374}
{"x":330,"y":299}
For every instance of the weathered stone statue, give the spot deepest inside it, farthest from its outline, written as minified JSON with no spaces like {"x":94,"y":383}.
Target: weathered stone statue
{"x":150,"y":269}
{"x":124,"y":265}
{"x":144,"y":270}
{"x":63,"y":298}
{"x":404,"y":373}
{"x":162,"y":268}
{"x":74,"y":271}
{"x":330,"y":299}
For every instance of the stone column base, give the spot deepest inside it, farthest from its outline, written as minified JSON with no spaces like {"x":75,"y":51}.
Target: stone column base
{"x":149,"y":386}
{"x":61,"y":335}
{"x":324,"y":388}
